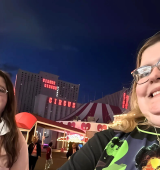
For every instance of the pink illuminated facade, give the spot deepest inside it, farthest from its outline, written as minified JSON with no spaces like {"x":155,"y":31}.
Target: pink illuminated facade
{"x":44,"y":94}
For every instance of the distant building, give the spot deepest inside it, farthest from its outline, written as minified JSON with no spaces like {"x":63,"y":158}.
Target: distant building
{"x":44,"y":94}
{"x":119,"y":99}
{"x":68,"y":91}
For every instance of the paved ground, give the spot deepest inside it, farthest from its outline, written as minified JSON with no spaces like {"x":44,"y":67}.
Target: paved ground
{"x":58,"y":160}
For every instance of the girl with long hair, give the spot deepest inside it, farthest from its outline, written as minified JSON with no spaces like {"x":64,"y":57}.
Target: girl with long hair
{"x":34,"y":150}
{"x":123,"y":145}
{"x":72,"y":150}
{"x":13,"y":147}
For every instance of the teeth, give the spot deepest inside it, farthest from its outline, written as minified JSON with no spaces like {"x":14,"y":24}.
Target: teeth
{"x":155,"y":93}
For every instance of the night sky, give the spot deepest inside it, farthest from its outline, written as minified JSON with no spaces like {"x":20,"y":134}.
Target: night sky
{"x":88,"y":42}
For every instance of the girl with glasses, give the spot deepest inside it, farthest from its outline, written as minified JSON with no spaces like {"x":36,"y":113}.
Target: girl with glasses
{"x":13,"y":147}
{"x":132,"y":141}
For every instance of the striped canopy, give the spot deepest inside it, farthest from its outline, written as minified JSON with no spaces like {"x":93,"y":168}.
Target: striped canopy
{"x":104,"y":112}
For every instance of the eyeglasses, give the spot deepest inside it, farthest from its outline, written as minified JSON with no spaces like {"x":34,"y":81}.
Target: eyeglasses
{"x":141,"y":74}
{"x":3,"y":91}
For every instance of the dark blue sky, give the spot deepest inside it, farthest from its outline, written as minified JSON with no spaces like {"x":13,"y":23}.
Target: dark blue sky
{"x":92,"y":43}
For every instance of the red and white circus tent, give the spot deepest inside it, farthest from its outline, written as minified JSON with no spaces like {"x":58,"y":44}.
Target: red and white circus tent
{"x":104,"y":112}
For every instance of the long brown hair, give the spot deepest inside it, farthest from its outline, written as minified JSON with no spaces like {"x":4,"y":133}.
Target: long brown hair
{"x":10,"y":140}
{"x":127,"y":122}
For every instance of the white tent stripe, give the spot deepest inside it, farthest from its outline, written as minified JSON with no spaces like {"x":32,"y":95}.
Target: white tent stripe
{"x":85,"y":112}
{"x":98,"y":112}
{"x":86,"y":108}
{"x":111,"y":114}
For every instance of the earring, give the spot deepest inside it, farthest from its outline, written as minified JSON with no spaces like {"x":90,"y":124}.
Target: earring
{"x":145,"y":120}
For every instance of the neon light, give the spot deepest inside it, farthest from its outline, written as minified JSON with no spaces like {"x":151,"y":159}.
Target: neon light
{"x":49,"y":84}
{"x":75,"y":136}
{"x":50,"y":100}
{"x":60,"y":102}
{"x":126,"y":104}
{"x":55,"y":101}
{"x":124,"y":100}
{"x":48,"y":81}
{"x":69,"y":104}
{"x":62,"y":138}
{"x":73,"y":105}
{"x":64,"y":103}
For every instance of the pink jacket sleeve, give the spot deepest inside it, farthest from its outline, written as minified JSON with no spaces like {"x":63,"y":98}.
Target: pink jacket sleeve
{"x":22,"y":162}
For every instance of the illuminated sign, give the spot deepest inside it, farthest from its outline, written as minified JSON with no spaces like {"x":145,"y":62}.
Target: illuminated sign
{"x":62,"y":138}
{"x":49,"y":84}
{"x":75,"y":136}
{"x":125,"y":101}
{"x":61,"y":102}
{"x":124,"y":97}
{"x":49,"y":81}
{"x":86,"y":139}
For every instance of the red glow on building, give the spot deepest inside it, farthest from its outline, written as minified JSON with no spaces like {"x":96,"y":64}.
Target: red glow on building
{"x":59,"y":102}
{"x":55,"y":101}
{"x":49,"y":84}
{"x":49,"y":81}
{"x":126,"y":104}
{"x":64,"y":103}
{"x":125,"y":101}
{"x":50,"y":100}
{"x":69,"y":104}
{"x":73,"y":105}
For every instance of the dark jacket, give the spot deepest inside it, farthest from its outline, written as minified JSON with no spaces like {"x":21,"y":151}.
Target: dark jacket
{"x":31,"y":147}
{"x":70,"y":152}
